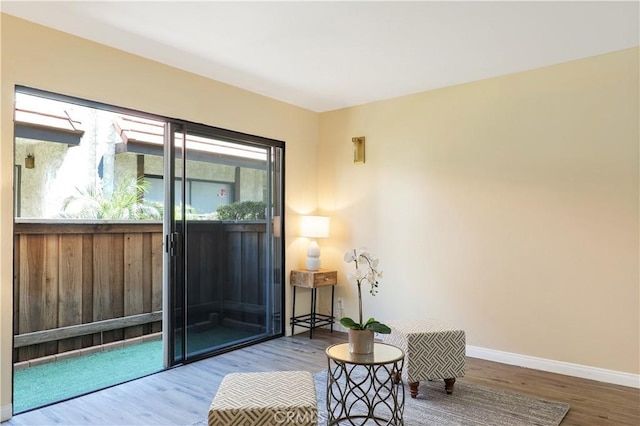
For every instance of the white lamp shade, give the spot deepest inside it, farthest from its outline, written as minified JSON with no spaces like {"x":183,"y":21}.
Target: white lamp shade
{"x":314,"y":226}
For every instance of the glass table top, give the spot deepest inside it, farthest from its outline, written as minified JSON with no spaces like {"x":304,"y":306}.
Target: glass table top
{"x":382,"y":354}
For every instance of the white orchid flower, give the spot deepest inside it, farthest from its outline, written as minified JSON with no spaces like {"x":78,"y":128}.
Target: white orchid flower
{"x":356,"y":275}
{"x":349,"y":256}
{"x":366,"y":270}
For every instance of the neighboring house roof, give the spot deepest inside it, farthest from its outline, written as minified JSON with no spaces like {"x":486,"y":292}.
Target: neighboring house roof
{"x":145,"y":136}
{"x":47,"y":120}
{"x":56,"y":121}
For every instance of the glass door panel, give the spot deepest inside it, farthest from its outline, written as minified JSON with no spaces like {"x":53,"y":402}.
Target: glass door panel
{"x":224,"y":219}
{"x":174,"y":274}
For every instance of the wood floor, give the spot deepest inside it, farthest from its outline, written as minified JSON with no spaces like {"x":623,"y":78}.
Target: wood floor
{"x":181,"y":396}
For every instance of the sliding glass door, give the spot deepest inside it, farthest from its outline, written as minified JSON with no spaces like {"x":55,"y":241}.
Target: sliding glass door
{"x":141,"y":240}
{"x":224,"y":249}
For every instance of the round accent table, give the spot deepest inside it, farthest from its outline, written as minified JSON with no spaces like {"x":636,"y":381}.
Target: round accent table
{"x":365,"y":387}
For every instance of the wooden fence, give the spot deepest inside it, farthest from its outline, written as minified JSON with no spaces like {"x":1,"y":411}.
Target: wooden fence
{"x":69,"y":274}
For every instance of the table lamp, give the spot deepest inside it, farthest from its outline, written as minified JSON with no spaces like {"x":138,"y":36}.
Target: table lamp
{"x":314,"y":227}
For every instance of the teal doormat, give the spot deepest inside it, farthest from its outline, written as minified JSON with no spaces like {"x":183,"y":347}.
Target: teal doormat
{"x":56,"y":381}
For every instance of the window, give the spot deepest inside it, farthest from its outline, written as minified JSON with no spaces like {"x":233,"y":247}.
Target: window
{"x":203,"y":197}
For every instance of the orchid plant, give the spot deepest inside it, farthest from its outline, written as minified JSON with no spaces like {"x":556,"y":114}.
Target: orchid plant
{"x":366,"y":271}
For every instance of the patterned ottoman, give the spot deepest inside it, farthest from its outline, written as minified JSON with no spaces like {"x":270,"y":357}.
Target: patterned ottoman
{"x":265,"y":399}
{"x":433,"y":350}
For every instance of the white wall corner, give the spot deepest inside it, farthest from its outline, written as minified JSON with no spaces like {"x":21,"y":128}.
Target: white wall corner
{"x":559,"y":367}
{"x":6,"y":411}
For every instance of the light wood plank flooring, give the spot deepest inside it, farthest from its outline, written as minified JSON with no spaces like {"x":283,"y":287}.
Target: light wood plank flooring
{"x":181,"y":396}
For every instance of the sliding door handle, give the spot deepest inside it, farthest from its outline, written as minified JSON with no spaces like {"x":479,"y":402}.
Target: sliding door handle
{"x":172,"y":244}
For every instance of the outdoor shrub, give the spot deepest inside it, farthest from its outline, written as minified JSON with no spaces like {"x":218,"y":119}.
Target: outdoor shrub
{"x":124,"y":203}
{"x":242,"y":210}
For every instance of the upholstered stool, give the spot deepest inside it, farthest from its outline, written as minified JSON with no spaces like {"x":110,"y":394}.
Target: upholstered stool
{"x":275,"y":398}
{"x":433,"y":350}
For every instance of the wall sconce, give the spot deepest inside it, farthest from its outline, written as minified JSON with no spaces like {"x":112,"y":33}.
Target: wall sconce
{"x":314,"y":227}
{"x":358,"y":149}
{"x":29,"y":161}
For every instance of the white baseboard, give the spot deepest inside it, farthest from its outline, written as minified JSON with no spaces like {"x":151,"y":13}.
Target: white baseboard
{"x":6,"y":411}
{"x":560,"y":367}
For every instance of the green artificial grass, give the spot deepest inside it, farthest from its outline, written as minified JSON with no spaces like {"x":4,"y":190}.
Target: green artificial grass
{"x":56,"y":381}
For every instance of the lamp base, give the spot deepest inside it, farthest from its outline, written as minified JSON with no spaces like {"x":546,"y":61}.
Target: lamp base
{"x":312,"y":264}
{"x":313,"y":256}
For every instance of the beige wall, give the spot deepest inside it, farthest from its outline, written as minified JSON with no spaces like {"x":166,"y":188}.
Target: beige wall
{"x":508,"y":207}
{"x":45,"y":59}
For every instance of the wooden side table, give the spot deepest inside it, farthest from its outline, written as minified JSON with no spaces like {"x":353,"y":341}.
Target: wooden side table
{"x":313,"y":280}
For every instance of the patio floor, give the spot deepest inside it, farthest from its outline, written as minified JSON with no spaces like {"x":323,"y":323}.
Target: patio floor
{"x":56,"y":381}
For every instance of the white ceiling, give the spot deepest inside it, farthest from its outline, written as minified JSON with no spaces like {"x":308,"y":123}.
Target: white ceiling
{"x":329,"y":55}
